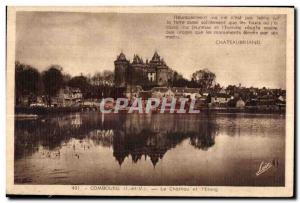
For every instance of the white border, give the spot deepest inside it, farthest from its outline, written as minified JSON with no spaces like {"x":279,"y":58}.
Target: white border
{"x":113,"y":2}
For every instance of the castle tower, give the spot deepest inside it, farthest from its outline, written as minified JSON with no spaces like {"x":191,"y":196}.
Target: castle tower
{"x":162,"y":75}
{"x":138,"y":71}
{"x":121,"y":70}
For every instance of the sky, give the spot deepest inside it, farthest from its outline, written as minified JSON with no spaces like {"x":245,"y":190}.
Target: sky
{"x":90,"y":42}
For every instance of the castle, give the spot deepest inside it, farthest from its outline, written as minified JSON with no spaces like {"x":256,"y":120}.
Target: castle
{"x":146,"y":74}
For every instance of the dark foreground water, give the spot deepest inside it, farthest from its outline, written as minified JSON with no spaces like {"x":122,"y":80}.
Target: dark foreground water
{"x":168,"y":149}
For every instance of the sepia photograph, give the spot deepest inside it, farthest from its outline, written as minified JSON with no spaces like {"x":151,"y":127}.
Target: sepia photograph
{"x":150,"y":101}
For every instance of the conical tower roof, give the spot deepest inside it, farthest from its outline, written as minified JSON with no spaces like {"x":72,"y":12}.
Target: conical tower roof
{"x":121,"y":57}
{"x":137,"y":59}
{"x":155,"y":57}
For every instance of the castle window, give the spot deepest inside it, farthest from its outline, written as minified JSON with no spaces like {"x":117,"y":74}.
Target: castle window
{"x":151,"y":76}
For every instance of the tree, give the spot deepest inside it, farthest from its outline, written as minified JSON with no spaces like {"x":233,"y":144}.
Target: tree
{"x":205,"y":79}
{"x":27,"y":81}
{"x":102,"y":84}
{"x":97,"y":79}
{"x":80,"y":82}
{"x":53,"y":81}
{"x":103,"y":78}
{"x":66,"y":78}
{"x":108,"y":76}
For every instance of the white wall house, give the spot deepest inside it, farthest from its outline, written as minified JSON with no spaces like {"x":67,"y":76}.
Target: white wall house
{"x":220,"y":99}
{"x":69,"y":96}
{"x":159,"y":92}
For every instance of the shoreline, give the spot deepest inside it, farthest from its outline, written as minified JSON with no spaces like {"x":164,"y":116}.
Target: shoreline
{"x":33,"y":112}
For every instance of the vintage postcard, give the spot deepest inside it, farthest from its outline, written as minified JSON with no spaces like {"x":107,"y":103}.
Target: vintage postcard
{"x":150,"y":101}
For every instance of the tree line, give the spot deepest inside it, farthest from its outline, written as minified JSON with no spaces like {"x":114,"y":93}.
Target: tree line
{"x":31,"y":83}
{"x":203,"y":79}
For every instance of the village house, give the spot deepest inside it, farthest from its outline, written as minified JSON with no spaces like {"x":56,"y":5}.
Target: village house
{"x":69,"y":96}
{"x":192,"y":93}
{"x":266,"y":101}
{"x":40,"y":101}
{"x":240,"y":104}
{"x":145,"y":94}
{"x":178,"y":91}
{"x":223,"y":91}
{"x":159,"y":92}
{"x":282,"y":98}
{"x":133,"y":91}
{"x":220,"y":99}
{"x":204,"y":100}
{"x":281,"y":102}
{"x":101,"y":82}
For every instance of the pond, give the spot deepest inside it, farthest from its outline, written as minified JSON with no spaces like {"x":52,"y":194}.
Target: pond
{"x":151,"y":149}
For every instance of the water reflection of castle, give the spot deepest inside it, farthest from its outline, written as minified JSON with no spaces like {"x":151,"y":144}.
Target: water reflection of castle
{"x":152,"y":136}
{"x":135,"y":136}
